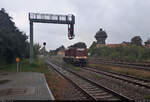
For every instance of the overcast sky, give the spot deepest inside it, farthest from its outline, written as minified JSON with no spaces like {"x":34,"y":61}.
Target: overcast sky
{"x":121,"y":19}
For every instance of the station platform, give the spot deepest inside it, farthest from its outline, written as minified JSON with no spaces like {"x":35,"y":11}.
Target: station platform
{"x":24,"y":86}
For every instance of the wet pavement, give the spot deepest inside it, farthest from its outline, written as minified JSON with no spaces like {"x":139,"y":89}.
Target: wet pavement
{"x":24,"y":86}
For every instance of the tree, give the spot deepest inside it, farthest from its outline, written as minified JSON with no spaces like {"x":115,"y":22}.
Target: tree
{"x":92,"y":47}
{"x":13,"y":42}
{"x":36,"y":49}
{"x":62,"y":47}
{"x":136,"y":41}
{"x":147,"y":42}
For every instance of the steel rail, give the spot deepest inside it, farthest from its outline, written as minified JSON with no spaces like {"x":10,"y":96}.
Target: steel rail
{"x":77,"y":86}
{"x":114,"y":76}
{"x":121,"y":74}
{"x":123,"y":65}
{"x":97,"y":84}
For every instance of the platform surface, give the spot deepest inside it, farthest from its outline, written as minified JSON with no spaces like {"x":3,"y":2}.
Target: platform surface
{"x":24,"y":86}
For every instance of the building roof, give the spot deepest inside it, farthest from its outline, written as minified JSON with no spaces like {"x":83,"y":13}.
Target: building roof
{"x":113,"y":45}
{"x":147,"y":42}
{"x":78,"y":45}
{"x":124,"y":42}
{"x":101,"y":34}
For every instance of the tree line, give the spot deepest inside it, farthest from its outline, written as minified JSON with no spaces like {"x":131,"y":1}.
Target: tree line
{"x":54,"y":52}
{"x":13,"y":42}
{"x":133,"y":51}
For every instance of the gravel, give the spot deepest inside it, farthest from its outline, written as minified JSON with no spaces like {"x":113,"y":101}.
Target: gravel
{"x":124,"y":88}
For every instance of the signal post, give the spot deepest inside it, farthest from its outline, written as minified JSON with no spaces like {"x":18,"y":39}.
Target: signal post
{"x":50,"y":18}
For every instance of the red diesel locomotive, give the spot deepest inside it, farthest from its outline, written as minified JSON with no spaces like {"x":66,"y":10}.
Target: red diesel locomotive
{"x":76,"y":54}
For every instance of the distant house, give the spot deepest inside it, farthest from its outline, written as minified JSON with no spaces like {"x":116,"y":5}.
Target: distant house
{"x":113,"y":45}
{"x":61,"y":51}
{"x":147,"y":43}
{"x":116,"y":45}
{"x":125,"y":43}
{"x":52,"y":52}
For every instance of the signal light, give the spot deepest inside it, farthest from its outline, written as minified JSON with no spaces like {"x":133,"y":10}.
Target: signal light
{"x":70,"y":31}
{"x":44,"y":43}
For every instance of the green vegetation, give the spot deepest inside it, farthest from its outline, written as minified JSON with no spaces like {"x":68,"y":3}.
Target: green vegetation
{"x":72,"y":67}
{"x":36,"y":49}
{"x":97,"y":76}
{"x":136,"y":41}
{"x":24,"y":66}
{"x":54,"y":52}
{"x":122,"y":53}
{"x":147,"y":97}
{"x":54,"y":89}
{"x":13,"y":42}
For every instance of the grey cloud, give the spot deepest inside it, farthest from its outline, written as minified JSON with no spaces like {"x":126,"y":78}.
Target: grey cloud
{"x":121,"y":19}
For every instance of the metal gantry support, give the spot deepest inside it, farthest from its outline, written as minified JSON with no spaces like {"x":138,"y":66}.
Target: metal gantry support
{"x":31,"y":42}
{"x":50,"y":18}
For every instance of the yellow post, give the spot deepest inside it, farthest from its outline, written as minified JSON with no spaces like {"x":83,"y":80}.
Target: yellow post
{"x":17,"y":60}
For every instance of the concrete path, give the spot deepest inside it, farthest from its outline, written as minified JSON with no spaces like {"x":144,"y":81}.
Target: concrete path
{"x":24,"y":86}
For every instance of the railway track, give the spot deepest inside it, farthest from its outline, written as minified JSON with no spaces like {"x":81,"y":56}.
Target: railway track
{"x":141,"y":82}
{"x":92,"y":90}
{"x":135,"y":66}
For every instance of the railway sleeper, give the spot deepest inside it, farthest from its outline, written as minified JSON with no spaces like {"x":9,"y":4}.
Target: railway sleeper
{"x":146,"y":84}
{"x":103,"y":96}
{"x":97,"y":91}
{"x":128,"y":81}
{"x":85,"y":85}
{"x":90,"y":87}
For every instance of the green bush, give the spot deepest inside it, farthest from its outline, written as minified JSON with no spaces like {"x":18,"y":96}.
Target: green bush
{"x":123,"y":53}
{"x":13,"y":42}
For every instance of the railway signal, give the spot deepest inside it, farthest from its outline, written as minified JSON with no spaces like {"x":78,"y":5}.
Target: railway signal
{"x":50,"y":18}
{"x":44,"y":43}
{"x":71,"y":31}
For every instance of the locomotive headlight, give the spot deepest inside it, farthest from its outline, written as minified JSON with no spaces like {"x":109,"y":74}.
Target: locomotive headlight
{"x":77,"y":57}
{"x":85,"y":57}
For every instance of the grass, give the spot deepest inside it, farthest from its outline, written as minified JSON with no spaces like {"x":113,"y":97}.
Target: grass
{"x":25,"y":66}
{"x":57,"y":58}
{"x":97,"y":76}
{"x":72,"y":67}
{"x":147,"y":97}
{"x":128,"y":71}
{"x":54,"y":89}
